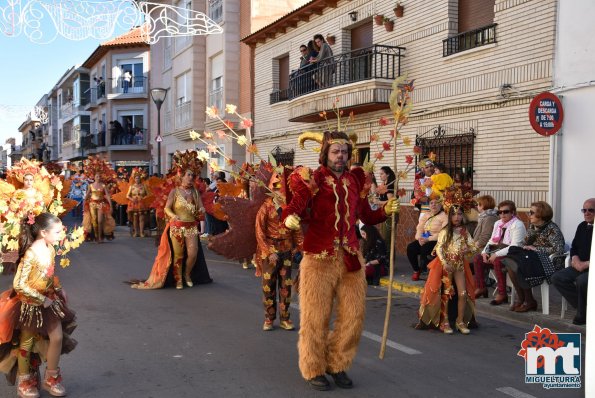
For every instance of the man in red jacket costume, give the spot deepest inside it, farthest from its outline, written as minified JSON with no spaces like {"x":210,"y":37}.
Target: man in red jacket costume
{"x":332,"y":265}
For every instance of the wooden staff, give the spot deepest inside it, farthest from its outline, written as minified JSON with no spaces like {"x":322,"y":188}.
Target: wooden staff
{"x":391,"y":271}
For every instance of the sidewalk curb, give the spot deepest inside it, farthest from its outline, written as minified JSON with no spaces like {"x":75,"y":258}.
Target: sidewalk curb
{"x":500,"y":313}
{"x":402,"y":286}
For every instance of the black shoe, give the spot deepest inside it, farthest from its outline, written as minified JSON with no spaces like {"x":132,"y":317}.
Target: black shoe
{"x":579,"y":321}
{"x":319,"y":383}
{"x":341,"y":379}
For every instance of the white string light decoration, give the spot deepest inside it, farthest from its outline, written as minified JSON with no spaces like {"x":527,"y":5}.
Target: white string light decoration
{"x":44,"y":21}
{"x":170,"y":21}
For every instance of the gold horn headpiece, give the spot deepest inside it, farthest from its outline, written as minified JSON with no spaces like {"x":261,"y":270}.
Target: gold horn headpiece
{"x":312,"y":136}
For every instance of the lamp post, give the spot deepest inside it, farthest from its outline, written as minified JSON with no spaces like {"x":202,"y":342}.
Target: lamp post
{"x":158,"y":96}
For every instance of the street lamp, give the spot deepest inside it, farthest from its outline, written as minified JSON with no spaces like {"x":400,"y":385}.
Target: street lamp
{"x":158,"y":96}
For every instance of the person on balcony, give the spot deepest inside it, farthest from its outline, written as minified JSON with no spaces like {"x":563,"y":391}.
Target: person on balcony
{"x":101,"y":136}
{"x":126,"y":80}
{"x":138,"y":136}
{"x":572,"y":282}
{"x":324,"y":62}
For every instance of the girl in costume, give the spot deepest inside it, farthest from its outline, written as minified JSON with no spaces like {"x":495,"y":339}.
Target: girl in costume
{"x":137,"y":208}
{"x":454,"y":248}
{"x":180,"y":236}
{"x":34,"y":316}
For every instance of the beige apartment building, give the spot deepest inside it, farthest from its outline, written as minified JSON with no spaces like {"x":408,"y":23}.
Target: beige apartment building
{"x":201,"y":71}
{"x":476,"y":65}
{"x":117,"y":100}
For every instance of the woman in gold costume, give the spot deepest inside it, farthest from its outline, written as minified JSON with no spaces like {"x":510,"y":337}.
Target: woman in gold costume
{"x":137,"y":208}
{"x":180,"y":238}
{"x":98,"y":204}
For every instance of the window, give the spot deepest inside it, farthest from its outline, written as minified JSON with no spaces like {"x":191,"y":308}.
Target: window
{"x":216,"y":10}
{"x":475,"y":25}
{"x":216,"y":94}
{"x":474,"y":14}
{"x":183,"y":88}
{"x":136,"y":82}
{"x":183,"y":18}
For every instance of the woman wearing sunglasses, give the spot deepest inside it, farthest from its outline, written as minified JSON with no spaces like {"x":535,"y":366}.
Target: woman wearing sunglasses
{"x":508,"y":231}
{"x":529,"y":267}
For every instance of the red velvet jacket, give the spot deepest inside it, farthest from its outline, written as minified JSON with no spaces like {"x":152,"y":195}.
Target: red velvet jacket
{"x":335,"y":205}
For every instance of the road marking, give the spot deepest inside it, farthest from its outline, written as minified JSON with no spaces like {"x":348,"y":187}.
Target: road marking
{"x":391,"y":344}
{"x":378,"y":339}
{"x":513,"y":392}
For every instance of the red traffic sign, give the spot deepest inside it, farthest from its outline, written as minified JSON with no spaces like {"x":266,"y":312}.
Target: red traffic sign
{"x":158,"y":138}
{"x":546,"y":114}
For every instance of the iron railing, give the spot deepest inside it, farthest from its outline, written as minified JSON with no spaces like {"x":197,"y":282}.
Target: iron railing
{"x":376,"y":62}
{"x":134,"y":85}
{"x":183,"y":115}
{"x":468,"y":40}
{"x":136,"y":136}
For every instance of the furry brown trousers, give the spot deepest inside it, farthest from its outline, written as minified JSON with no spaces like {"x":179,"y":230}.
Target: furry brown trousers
{"x":322,"y":282}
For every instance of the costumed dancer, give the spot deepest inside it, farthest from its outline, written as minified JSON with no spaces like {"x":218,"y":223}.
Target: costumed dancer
{"x":180,"y":237}
{"x":454,"y":249}
{"x":137,"y":208}
{"x":97,"y":214}
{"x":331,"y":269}
{"x":98,"y":206}
{"x":34,"y":316}
{"x":276,"y":246}
{"x":27,"y":199}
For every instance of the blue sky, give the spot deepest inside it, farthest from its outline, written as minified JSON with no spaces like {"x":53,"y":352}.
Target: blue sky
{"x":29,"y":70}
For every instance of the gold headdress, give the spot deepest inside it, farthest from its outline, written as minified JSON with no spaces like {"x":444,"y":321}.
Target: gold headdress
{"x":187,"y":160}
{"x":457,"y":197}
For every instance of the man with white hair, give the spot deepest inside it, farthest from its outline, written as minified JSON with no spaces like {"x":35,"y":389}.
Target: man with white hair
{"x":572,"y":282}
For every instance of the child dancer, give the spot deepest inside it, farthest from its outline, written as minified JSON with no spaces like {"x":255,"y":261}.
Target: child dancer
{"x":35,"y":310}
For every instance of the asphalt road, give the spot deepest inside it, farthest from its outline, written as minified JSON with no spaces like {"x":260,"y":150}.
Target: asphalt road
{"x":207,"y":341}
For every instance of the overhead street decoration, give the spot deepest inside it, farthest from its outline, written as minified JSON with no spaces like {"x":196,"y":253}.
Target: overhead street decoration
{"x":43,"y":21}
{"x":546,"y":114}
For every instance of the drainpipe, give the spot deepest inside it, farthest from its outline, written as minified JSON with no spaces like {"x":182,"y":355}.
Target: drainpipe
{"x":554,"y":191}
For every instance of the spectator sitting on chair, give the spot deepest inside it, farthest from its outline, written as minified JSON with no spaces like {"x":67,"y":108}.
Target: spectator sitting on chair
{"x":374,"y":252}
{"x":429,"y":226}
{"x":508,"y":231}
{"x":572,"y":282}
{"x":488,"y":216}
{"x":532,"y":265}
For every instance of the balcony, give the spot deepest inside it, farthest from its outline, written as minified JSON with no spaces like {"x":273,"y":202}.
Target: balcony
{"x":122,"y":88}
{"x":94,"y":97}
{"x":183,"y":115}
{"x":376,"y":62}
{"x":124,"y":142}
{"x":468,"y":40}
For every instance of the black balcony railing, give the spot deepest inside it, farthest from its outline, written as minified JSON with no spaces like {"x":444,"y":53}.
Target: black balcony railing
{"x":136,"y":136}
{"x":133,"y":85}
{"x":376,"y":62}
{"x":468,"y":40}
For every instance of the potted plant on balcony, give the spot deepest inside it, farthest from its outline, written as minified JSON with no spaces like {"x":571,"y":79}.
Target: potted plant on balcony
{"x":389,"y":24}
{"x":398,"y":9}
{"x":330,"y":39}
{"x":379,"y":19}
